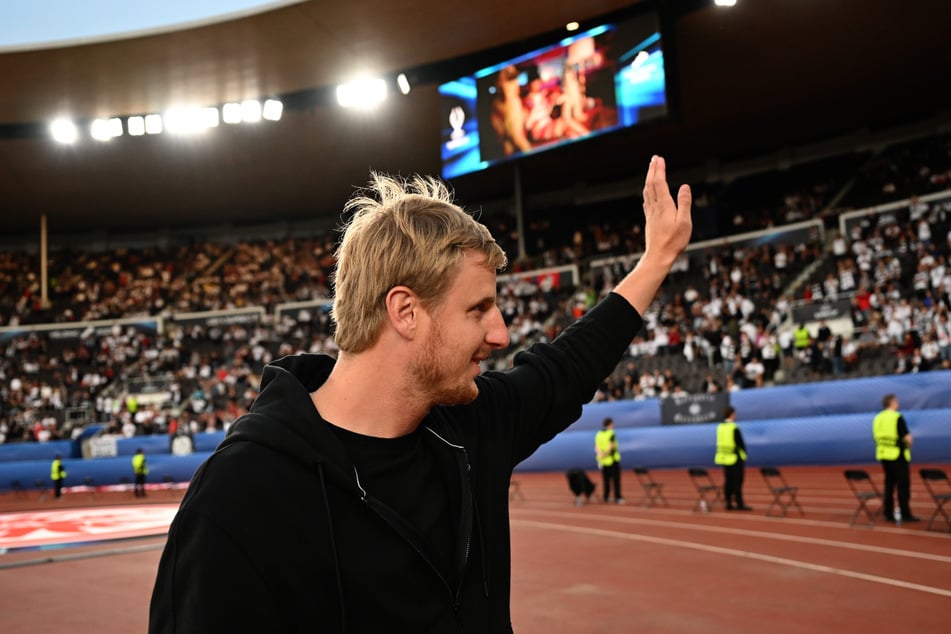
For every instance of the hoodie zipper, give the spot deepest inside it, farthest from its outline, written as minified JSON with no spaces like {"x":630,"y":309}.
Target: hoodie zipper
{"x":407,"y":532}
{"x":466,"y":513}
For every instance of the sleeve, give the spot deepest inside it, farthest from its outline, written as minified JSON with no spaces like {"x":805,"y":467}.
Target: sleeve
{"x":738,"y":439}
{"x":550,"y":382}
{"x":902,"y":429}
{"x":218,"y":593}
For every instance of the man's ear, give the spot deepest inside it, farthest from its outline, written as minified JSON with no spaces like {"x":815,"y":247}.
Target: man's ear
{"x":403,"y":310}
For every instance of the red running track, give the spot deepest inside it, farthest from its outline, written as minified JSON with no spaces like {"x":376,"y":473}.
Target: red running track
{"x":594,"y":568}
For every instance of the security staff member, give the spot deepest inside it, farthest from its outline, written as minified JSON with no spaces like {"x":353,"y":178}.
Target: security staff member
{"x":893,"y":450}
{"x":731,"y":453}
{"x":140,"y":469}
{"x":609,"y":459}
{"x":801,"y":337}
{"x":57,"y":475}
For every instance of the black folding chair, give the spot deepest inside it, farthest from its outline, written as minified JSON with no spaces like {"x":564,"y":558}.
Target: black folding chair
{"x":865,"y":491}
{"x":653,"y":490}
{"x":90,"y":484}
{"x":18,"y":489}
{"x":784,"y":496}
{"x":40,"y":485}
{"x":709,"y":493}
{"x":940,"y":493}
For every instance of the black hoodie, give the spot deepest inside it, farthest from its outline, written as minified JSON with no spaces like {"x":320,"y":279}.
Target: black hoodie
{"x":278,"y":534}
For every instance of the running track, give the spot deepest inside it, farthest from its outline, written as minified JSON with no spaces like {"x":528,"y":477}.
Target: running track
{"x":595,"y":568}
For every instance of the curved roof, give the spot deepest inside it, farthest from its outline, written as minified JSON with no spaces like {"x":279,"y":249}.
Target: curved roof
{"x":763,"y":75}
{"x":57,"y":23}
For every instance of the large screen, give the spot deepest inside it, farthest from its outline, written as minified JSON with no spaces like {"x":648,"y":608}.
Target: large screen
{"x":602,"y":79}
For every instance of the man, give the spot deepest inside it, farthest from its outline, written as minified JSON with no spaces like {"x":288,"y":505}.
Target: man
{"x":893,"y":450}
{"x":609,"y":460}
{"x":731,"y":453}
{"x":57,"y":475}
{"x":140,"y":469}
{"x":370,"y":493}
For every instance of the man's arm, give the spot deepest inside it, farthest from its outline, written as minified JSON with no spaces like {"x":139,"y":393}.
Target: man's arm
{"x":545,"y":390}
{"x":904,"y":436}
{"x":667,"y":231}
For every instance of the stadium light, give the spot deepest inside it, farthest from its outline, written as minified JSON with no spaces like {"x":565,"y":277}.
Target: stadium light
{"x":231,"y":113}
{"x":402,"y":81}
{"x":362,"y":93}
{"x":105,"y":129}
{"x":251,"y":111}
{"x":153,"y":124}
{"x":64,"y":131}
{"x":273,"y":109}
{"x":725,"y":3}
{"x":209,"y":117}
{"x":135,"y":126}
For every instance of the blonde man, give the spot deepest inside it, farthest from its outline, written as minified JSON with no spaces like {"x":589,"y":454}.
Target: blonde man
{"x":370,"y":493}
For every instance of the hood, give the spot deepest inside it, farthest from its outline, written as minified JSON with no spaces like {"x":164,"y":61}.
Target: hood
{"x":283,"y":417}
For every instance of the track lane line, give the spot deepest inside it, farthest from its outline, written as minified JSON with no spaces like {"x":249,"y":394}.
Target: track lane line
{"x":882,"y":550}
{"x":793,"y":563}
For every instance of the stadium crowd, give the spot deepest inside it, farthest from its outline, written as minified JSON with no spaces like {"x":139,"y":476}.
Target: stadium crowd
{"x":723,"y":321}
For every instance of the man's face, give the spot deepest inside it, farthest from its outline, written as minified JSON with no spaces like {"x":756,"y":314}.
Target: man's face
{"x":460,"y":333}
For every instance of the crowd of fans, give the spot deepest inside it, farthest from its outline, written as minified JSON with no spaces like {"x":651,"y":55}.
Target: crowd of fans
{"x":723,"y":320}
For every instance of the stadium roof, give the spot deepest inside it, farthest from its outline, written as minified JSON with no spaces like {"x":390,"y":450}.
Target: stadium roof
{"x":764,"y":75}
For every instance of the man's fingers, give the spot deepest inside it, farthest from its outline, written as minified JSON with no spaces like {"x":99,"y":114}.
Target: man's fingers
{"x":649,"y":193}
{"x":655,"y":185}
{"x":660,"y":177}
{"x":684,"y":199}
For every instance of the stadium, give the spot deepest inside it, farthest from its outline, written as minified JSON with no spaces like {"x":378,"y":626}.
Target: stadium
{"x":173,"y":195}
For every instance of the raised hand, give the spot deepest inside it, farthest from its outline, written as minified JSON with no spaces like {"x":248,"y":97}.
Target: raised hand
{"x":666,"y":231}
{"x":668,"y":223}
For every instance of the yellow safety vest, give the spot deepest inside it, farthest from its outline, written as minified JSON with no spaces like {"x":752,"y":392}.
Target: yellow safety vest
{"x":138,"y":464}
{"x":57,"y":472}
{"x":727,"y":452}
{"x":606,"y":448}
{"x":801,"y":338}
{"x":885,"y":430}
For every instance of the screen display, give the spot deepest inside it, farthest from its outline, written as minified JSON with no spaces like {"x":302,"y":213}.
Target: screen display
{"x":602,"y":79}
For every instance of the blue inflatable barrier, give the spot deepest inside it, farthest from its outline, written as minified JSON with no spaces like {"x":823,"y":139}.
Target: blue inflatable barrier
{"x":806,"y":424}
{"x":102,"y":471}
{"x":928,"y":390}
{"x":24,"y":451}
{"x":813,"y":440}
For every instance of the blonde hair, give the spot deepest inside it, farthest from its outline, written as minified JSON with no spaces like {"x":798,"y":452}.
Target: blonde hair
{"x":402,"y":232}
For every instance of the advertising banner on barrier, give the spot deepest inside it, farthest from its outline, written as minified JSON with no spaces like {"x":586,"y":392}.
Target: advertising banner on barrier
{"x":822,"y":310}
{"x":692,"y":409}
{"x":100,"y":447}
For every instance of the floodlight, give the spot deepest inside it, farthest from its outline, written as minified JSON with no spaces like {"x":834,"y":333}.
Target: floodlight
{"x":273,"y":109}
{"x":403,"y":82}
{"x":361,"y":93}
{"x":231,"y":113}
{"x":64,"y":131}
{"x":135,"y":126}
{"x":179,"y":121}
{"x":250,"y":110}
{"x":725,"y":3}
{"x":209,"y":117}
{"x":105,"y":129}
{"x":153,"y":124}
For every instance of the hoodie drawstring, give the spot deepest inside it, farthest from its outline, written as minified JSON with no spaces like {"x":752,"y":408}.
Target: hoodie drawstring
{"x":333,"y":548}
